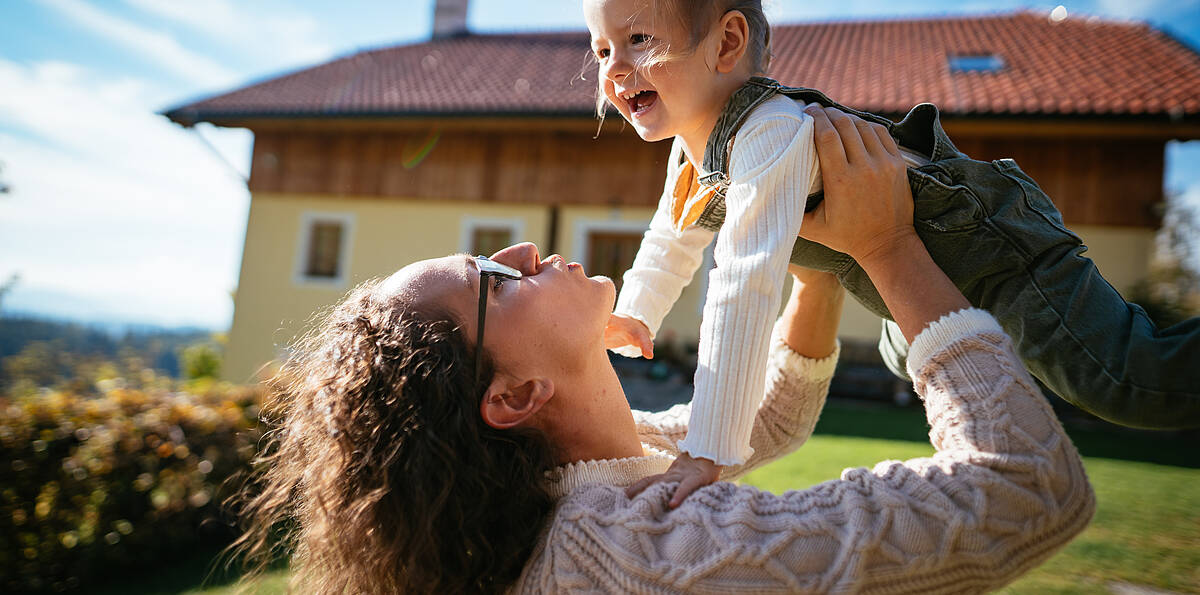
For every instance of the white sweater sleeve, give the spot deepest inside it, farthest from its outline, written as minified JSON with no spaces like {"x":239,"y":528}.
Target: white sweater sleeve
{"x":665,"y":262}
{"x":771,"y":168}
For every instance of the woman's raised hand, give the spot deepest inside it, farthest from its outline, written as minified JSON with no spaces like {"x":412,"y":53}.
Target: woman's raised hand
{"x":868,"y":214}
{"x":868,"y":205}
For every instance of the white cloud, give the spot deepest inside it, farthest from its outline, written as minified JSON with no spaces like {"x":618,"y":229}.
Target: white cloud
{"x":153,"y":46}
{"x":264,"y":35}
{"x":1141,"y":9}
{"x":114,"y":203}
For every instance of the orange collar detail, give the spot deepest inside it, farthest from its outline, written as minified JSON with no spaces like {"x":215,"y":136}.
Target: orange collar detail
{"x":689,"y":197}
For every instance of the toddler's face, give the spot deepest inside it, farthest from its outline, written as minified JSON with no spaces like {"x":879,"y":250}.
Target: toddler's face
{"x":660,"y":98}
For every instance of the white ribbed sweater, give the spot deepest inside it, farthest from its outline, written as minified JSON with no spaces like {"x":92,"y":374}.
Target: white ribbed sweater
{"x":1004,"y":491}
{"x":772,"y":169}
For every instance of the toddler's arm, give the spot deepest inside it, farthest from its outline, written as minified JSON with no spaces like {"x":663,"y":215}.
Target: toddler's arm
{"x":665,"y":263}
{"x":771,"y":170}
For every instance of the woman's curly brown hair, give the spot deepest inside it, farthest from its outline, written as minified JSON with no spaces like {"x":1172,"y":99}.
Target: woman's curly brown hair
{"x":379,"y":474}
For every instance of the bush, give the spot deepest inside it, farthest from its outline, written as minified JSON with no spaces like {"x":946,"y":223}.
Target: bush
{"x":201,"y":360}
{"x":90,"y":483}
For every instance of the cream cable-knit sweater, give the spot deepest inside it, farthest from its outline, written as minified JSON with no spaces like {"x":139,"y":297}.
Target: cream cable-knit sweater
{"x":772,"y":169}
{"x":1004,"y":491}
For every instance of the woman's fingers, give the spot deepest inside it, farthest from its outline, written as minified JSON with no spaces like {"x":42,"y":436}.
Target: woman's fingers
{"x":830,"y":151}
{"x":870,"y":140}
{"x":815,"y":222}
{"x":889,"y":143}
{"x":852,"y":140}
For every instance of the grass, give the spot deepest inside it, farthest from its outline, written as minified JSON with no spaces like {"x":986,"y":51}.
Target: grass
{"x":1146,"y":531}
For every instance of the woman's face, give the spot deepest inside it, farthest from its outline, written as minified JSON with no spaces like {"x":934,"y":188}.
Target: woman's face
{"x":543,"y":323}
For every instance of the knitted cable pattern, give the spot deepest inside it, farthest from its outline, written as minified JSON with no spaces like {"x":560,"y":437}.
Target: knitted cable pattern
{"x":1005,"y":490}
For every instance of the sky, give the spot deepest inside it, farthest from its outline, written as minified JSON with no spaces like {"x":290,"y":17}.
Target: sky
{"x":116,"y":215}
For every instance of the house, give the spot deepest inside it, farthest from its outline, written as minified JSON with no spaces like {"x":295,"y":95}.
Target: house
{"x":387,"y":156}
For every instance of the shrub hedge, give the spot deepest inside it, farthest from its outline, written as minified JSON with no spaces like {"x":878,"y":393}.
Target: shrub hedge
{"x":92,"y":483}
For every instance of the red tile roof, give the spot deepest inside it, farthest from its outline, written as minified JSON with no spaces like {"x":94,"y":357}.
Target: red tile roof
{"x":1075,"y":67}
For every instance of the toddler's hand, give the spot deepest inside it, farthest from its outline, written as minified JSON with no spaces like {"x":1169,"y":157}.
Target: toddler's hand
{"x":628,"y":336}
{"x":692,"y":474}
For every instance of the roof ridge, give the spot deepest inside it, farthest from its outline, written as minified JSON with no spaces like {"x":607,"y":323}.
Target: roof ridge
{"x":884,"y":65}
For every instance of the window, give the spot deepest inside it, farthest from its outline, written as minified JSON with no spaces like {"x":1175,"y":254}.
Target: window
{"x":487,"y":235}
{"x":607,"y":247}
{"x":975,"y":63}
{"x":489,"y":240}
{"x":611,"y":253}
{"x":323,"y":255}
{"x":324,"y":247}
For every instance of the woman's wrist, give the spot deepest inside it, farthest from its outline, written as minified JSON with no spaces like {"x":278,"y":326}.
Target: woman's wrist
{"x":883,"y":249}
{"x":915,"y":290}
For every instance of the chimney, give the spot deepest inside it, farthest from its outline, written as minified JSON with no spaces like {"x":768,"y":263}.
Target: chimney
{"x":449,"y":18}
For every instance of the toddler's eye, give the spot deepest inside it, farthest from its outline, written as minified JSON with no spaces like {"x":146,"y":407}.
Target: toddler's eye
{"x":497,"y":281}
{"x":602,"y":53}
{"x":639,"y":38}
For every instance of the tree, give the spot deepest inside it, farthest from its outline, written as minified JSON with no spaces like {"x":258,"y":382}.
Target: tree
{"x":1170,"y":293}
{"x":201,"y":360}
{"x":7,"y":287}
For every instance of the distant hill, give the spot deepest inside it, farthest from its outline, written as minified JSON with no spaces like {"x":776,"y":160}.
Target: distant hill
{"x":158,"y":347}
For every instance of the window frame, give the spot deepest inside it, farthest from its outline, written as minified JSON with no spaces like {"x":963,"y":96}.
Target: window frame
{"x":976,"y":63}
{"x":581,"y":248}
{"x":468,"y":225}
{"x":308,"y":219}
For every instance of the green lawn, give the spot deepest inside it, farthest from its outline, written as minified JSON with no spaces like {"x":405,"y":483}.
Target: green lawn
{"x":1146,"y":531}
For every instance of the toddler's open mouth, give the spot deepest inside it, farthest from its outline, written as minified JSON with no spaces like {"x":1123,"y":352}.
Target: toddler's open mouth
{"x":641,"y":101}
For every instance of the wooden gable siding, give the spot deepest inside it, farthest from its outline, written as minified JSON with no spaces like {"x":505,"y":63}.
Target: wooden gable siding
{"x":1092,"y":180}
{"x":520,"y":167}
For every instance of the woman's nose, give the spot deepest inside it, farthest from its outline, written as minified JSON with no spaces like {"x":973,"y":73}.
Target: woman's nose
{"x":524,"y":257}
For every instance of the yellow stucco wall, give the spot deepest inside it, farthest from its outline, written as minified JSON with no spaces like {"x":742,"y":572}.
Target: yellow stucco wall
{"x":272,"y":308}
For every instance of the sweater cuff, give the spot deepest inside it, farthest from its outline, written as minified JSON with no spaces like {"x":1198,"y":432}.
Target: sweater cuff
{"x":946,"y":330}
{"x":642,"y":303}
{"x":789,"y":363}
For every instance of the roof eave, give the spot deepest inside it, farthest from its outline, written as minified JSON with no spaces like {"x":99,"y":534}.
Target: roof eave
{"x":1186,"y":127}
{"x":244,"y":118}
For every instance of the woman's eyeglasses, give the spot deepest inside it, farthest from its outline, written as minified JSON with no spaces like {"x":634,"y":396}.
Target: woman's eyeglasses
{"x":487,"y":268}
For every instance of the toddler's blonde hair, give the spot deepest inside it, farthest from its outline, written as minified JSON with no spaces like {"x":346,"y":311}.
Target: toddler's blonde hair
{"x":696,"y":17}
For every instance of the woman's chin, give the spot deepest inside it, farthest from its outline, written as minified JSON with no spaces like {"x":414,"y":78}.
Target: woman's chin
{"x":609,"y":288}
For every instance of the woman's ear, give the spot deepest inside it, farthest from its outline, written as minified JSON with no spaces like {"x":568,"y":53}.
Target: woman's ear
{"x":507,"y":405}
{"x":735,"y":34}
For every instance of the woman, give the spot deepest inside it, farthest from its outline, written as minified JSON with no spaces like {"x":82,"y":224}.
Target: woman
{"x":408,"y":460}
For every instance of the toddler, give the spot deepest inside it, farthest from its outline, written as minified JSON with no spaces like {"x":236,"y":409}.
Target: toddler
{"x":743,"y":162}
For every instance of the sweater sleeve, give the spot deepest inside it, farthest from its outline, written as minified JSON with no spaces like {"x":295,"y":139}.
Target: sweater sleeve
{"x":665,"y":263}
{"x":1004,"y":491}
{"x":796,"y":387}
{"x":770,"y":168}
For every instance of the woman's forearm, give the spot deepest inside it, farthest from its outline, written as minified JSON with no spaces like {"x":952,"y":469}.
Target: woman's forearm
{"x":811,"y":316}
{"x":912,"y":286}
